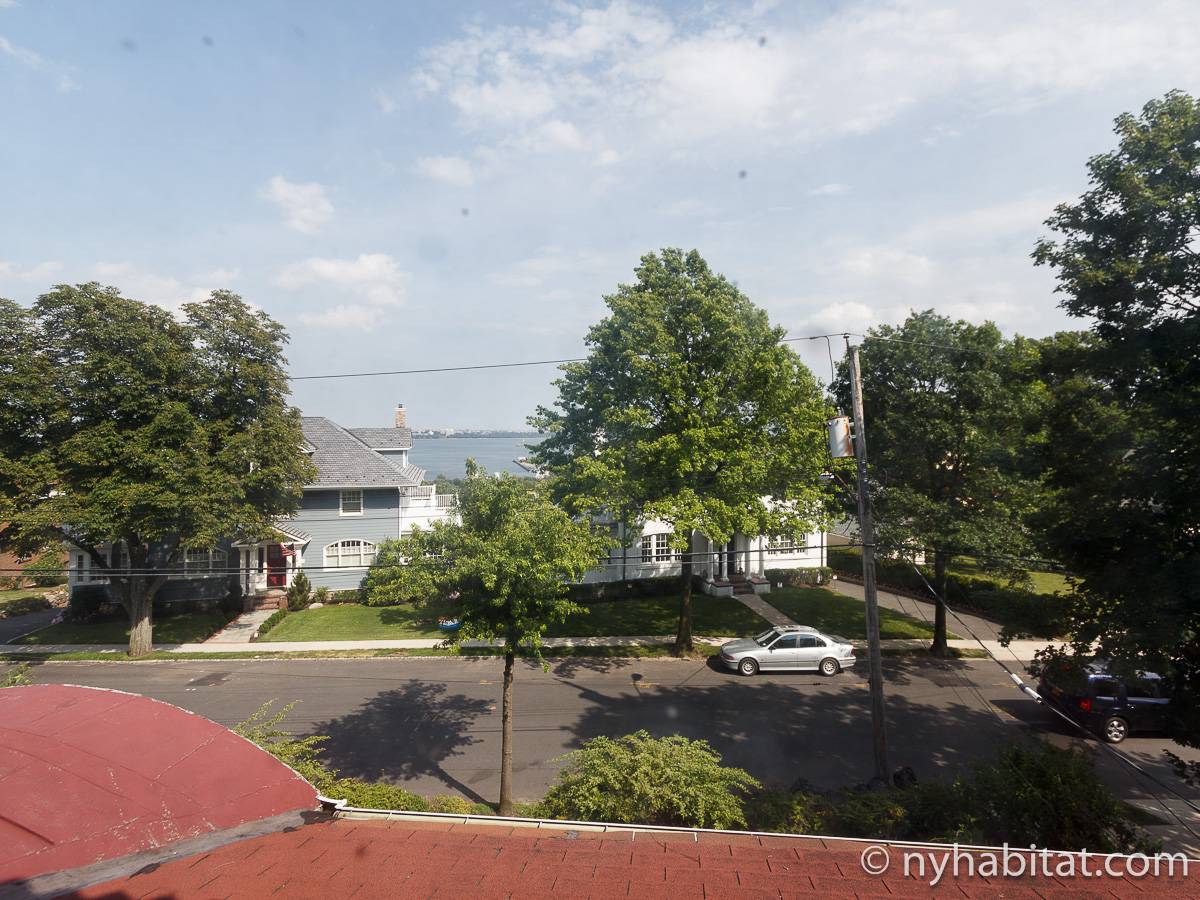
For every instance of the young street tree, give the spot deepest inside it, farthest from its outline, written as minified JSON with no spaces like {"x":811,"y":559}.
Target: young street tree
{"x":689,"y":410}
{"x":130,"y":428}
{"x":949,"y":409}
{"x":1125,"y":462}
{"x":509,"y":559}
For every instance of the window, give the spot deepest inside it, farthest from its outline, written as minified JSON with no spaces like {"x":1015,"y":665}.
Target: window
{"x":352,"y":503}
{"x":779,"y":544}
{"x":787,"y":642}
{"x":349,"y":554}
{"x":810,"y":641}
{"x":203,"y":560}
{"x":656,"y":548}
{"x":1143,"y":688}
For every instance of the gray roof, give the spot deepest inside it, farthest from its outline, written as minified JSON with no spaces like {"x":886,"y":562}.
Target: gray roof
{"x":384,"y":438}
{"x":345,"y":460}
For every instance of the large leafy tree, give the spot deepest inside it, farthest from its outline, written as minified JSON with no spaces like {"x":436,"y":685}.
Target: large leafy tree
{"x":127,"y":426}
{"x":508,"y":560}
{"x":950,"y":410}
{"x":688,"y":409}
{"x":1125,"y":463}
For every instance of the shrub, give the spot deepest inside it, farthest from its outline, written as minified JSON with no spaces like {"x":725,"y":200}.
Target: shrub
{"x":272,"y":620}
{"x":299,"y":592}
{"x":321,"y":595}
{"x":9,"y":583}
{"x":17,"y":676}
{"x":799,"y":577}
{"x":86,"y":601}
{"x":622,"y":590}
{"x":232,"y":601}
{"x":1022,"y":612}
{"x":459,"y":806}
{"x":353,"y":595}
{"x":656,"y":781}
{"x":47,"y":570}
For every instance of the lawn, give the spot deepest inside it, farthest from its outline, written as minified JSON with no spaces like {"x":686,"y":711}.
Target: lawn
{"x":185,"y":628}
{"x":21,"y":601}
{"x":841,"y":615}
{"x":1043,"y":582}
{"x":642,"y":616}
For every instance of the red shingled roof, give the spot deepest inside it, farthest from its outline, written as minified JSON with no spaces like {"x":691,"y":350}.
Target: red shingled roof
{"x":401,"y":859}
{"x":89,"y":774}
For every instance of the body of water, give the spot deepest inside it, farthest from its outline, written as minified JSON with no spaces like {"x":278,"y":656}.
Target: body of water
{"x":448,"y":456}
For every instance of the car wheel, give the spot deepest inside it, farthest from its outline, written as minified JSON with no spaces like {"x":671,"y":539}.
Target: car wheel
{"x":1115,"y":730}
{"x":748,"y":667}
{"x":829,"y":666}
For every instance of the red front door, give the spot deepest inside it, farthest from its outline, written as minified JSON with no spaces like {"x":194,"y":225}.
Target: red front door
{"x":276,"y":566}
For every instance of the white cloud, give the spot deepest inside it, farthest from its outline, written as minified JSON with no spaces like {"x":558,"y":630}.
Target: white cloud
{"x":67,"y":84}
{"x":150,"y":287}
{"x":39,"y":273}
{"x":701,"y":81}
{"x":304,"y":204}
{"x":884,"y":262}
{"x":546,"y":265}
{"x":20,"y":54}
{"x":385,"y":102}
{"x":374,"y":276}
{"x":828,"y":190}
{"x":689,"y":206}
{"x":451,"y":169}
{"x":344,"y":317}
{"x":223,"y":275}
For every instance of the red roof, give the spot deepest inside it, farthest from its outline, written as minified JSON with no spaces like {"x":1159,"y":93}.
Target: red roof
{"x":89,"y":775}
{"x":372,"y":858}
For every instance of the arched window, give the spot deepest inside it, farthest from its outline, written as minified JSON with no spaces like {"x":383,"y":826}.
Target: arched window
{"x":349,"y":553}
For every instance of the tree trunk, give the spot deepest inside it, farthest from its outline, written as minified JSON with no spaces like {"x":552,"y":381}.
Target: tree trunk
{"x":941,"y":565}
{"x":683,"y":636}
{"x":140,"y":601}
{"x":506,"y":751}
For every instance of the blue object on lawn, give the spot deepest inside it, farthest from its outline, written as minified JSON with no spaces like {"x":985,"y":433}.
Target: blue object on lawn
{"x":450,"y":625}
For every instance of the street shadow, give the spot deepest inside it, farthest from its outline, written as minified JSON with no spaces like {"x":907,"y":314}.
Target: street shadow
{"x":403,"y":734}
{"x":570,"y":666}
{"x":786,"y":727}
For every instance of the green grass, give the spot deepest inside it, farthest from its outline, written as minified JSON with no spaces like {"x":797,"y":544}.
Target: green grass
{"x":841,"y":615}
{"x":26,"y":600}
{"x":1043,"y":582}
{"x":642,"y":616}
{"x":185,"y":628}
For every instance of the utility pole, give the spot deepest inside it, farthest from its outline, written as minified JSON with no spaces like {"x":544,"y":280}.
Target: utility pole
{"x":867,"y":530}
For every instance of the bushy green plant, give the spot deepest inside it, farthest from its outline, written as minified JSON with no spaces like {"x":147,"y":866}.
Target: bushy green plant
{"x":299,"y":592}
{"x":17,"y":676}
{"x":86,"y":601}
{"x":22,"y":606}
{"x":649,"y":780}
{"x":799,"y":577}
{"x":321,"y":595}
{"x":272,"y":620}
{"x":47,"y":570}
{"x":459,"y":806}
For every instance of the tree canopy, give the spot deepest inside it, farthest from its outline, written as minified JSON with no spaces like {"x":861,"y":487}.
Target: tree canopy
{"x":128,"y":426}
{"x":690,"y":410}
{"x":950,"y":413}
{"x":1125,"y":462}
{"x":508,"y":560}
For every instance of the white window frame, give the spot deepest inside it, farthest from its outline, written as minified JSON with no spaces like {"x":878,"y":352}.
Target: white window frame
{"x":351,"y":553}
{"x":342,"y":502}
{"x":656,"y":548}
{"x":203,"y":560}
{"x":780,"y":545}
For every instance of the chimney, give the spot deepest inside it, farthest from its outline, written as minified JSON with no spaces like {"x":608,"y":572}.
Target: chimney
{"x":401,"y":418}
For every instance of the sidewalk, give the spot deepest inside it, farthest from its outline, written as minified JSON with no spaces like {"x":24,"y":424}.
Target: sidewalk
{"x":1018,"y":651}
{"x":923,"y":611}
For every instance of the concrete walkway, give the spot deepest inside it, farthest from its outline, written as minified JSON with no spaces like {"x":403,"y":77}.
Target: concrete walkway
{"x":923,"y":611}
{"x":1017,"y":652}
{"x":241,"y":629}
{"x":764,"y":609}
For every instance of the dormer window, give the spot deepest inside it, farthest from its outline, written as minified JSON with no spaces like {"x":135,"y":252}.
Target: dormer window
{"x":351,"y":503}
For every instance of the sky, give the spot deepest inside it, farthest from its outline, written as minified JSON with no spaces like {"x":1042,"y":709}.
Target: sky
{"x":433,"y":184}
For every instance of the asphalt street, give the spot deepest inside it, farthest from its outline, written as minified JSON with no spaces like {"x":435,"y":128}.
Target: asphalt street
{"x":434,"y":724}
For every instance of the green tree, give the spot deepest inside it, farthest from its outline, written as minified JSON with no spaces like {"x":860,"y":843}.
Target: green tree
{"x":146,"y":432}
{"x":689,"y":410}
{"x":508,"y":559}
{"x":1125,"y":462}
{"x":950,"y":411}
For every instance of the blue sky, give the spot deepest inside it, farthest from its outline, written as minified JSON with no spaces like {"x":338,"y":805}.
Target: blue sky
{"x":426,"y":184}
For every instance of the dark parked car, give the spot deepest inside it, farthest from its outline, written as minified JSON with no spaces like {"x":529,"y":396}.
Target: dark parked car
{"x":1113,"y":706}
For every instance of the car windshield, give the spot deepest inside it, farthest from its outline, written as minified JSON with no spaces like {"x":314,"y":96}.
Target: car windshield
{"x":766,"y":637}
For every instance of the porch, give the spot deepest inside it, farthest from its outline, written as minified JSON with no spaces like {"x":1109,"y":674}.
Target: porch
{"x":267,"y":568}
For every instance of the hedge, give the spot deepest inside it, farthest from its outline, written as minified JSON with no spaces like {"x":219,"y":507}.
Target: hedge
{"x":805,"y":577}
{"x":1021,"y":612}
{"x":23,"y":605}
{"x":272,"y":620}
{"x":622,"y":590}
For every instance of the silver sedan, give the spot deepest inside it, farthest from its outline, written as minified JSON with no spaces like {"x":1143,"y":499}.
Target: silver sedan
{"x":789,"y":648}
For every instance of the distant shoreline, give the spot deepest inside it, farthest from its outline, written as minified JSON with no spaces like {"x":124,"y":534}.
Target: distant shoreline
{"x":475,"y":434}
